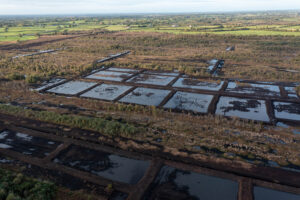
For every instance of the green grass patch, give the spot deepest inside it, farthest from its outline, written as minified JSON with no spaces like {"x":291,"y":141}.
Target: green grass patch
{"x":24,"y":33}
{"x":15,"y":186}
{"x":116,"y":28}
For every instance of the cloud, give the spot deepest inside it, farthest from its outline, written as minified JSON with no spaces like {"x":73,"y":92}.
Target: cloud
{"x":139,"y":6}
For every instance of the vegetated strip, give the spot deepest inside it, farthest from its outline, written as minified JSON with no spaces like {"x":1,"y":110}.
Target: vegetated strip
{"x":105,"y":126}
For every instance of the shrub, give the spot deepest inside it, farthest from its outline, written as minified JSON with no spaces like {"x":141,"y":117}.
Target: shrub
{"x":16,"y":187}
{"x":33,"y":79}
{"x":16,"y":76}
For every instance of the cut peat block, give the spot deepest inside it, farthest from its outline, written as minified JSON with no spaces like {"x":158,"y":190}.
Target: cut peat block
{"x":243,"y":108}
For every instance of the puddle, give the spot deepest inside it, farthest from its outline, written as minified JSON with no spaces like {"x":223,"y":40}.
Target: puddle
{"x":257,"y":89}
{"x":162,"y":73}
{"x":189,"y":101}
{"x":146,"y":96}
{"x":243,"y":108}
{"x":37,"y":53}
{"x":261,"y":193}
{"x":122,"y":70}
{"x":50,"y":83}
{"x":198,"y":148}
{"x":106,"y":91}
{"x":282,"y":125}
{"x":290,"y":111}
{"x":197,"y":84}
{"x":213,"y":61}
{"x":232,"y":48}
{"x":72,"y":87}
{"x":26,"y":144}
{"x":210,"y":68}
{"x":151,"y":79}
{"x":114,"y":167}
{"x":110,"y":76}
{"x":172,"y":183}
{"x":295,"y":130}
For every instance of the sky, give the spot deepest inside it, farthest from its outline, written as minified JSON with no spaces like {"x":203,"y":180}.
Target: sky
{"x":14,"y":7}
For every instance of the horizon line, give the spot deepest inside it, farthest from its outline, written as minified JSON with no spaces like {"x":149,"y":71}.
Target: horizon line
{"x":153,"y":13}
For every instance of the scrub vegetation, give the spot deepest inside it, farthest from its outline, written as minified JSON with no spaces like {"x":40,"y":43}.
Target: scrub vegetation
{"x":15,"y":186}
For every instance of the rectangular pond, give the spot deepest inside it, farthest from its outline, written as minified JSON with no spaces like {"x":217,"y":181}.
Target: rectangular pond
{"x":123,"y":70}
{"x":255,"y":89}
{"x":107,"y":91}
{"x":190,"y":101}
{"x":261,"y":193}
{"x":110,"y":76}
{"x":290,"y":111}
{"x":110,"y":166}
{"x":198,"y":84}
{"x":151,"y":79}
{"x":72,"y":87}
{"x":50,"y":83}
{"x":243,"y":108}
{"x":291,"y":91}
{"x":27,"y":144}
{"x":145,"y":96}
{"x":172,"y":183}
{"x":162,"y":73}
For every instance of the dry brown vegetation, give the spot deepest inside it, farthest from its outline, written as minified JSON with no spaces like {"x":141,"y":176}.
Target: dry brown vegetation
{"x":255,"y":57}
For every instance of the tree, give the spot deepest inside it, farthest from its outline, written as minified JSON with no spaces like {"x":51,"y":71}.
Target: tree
{"x":65,"y":32}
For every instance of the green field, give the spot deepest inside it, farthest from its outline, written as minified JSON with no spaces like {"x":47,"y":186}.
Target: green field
{"x":23,"y":33}
{"x":281,"y":24}
{"x":250,"y":30}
